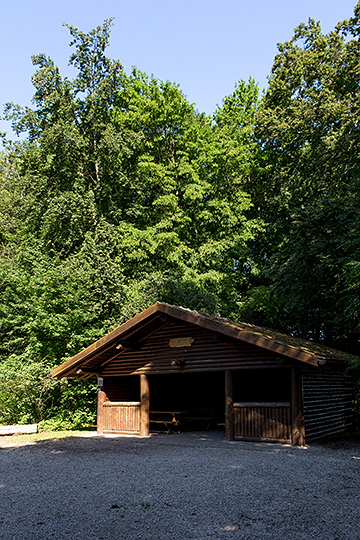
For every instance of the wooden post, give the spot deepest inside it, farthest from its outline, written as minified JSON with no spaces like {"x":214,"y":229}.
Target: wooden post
{"x":297,"y":416}
{"x":229,"y":409}
{"x":144,"y":405}
{"x":100,"y":411}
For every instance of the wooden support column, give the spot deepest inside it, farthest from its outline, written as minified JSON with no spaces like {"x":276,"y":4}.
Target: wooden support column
{"x":101,"y":398}
{"x":229,"y":409}
{"x":144,"y":406}
{"x":297,"y":415}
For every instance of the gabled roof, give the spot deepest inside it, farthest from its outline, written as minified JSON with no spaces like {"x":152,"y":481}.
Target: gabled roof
{"x":130,"y":335}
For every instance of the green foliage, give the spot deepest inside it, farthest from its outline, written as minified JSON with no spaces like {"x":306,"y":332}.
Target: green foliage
{"x":75,"y":407}
{"x":26,"y":393}
{"x":308,"y":190}
{"x":308,"y":117}
{"x":123,"y":194}
{"x":311,"y":273}
{"x":186,"y":206}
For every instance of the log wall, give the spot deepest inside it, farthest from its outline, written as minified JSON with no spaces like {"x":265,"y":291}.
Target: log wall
{"x":206,"y":352}
{"x":327,"y":401}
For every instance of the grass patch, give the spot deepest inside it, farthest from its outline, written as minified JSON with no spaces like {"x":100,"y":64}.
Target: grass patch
{"x":32,"y":438}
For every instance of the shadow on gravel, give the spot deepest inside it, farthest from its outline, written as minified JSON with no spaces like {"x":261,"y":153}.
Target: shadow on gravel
{"x":197,"y":439}
{"x":344,"y":441}
{"x":92,"y":442}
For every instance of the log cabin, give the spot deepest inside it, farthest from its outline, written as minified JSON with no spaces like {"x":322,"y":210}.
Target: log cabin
{"x":174,"y":368}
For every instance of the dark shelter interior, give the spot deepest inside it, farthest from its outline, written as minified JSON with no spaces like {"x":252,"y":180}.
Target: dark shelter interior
{"x":262,"y":385}
{"x":189,"y":401}
{"x":196,"y":400}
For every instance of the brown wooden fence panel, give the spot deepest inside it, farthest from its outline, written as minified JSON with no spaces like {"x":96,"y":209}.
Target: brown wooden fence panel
{"x":262,"y":422}
{"x":121,"y":417}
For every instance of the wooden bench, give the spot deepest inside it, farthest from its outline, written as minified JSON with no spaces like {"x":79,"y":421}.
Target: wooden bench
{"x":181,"y":419}
{"x":21,"y":429}
{"x":170,"y":419}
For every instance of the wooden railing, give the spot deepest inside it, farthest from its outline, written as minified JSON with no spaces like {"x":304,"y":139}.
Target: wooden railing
{"x":121,"y":417}
{"x":262,"y":422}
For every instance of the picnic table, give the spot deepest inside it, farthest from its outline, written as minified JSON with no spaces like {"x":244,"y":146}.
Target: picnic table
{"x":180,"y":420}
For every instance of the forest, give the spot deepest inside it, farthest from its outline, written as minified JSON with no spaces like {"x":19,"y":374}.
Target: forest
{"x":120,"y":193}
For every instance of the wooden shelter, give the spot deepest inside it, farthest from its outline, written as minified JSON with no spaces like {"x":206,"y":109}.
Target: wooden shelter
{"x":176,"y":368}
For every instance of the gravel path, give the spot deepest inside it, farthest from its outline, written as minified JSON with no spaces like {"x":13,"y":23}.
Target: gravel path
{"x":187,"y":486}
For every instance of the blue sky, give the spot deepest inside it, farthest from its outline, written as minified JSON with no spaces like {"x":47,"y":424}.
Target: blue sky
{"x":205,"y":46}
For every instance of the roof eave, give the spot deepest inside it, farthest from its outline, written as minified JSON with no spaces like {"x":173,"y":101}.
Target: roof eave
{"x":236,"y":333}
{"x":85,"y":355}
{"x":186,"y":315}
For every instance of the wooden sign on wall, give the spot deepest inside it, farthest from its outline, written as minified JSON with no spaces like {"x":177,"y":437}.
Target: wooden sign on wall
{"x":181,"y":342}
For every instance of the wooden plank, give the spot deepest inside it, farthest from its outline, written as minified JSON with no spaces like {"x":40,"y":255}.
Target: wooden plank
{"x":121,"y":417}
{"x":155,"y":357}
{"x":116,"y":355}
{"x":145,"y":406}
{"x":103,"y":343}
{"x":262,"y":422}
{"x":243,"y":404}
{"x":122,"y":403}
{"x":240,"y":334}
{"x":23,"y":429}
{"x":190,"y":367}
{"x":150,"y":322}
{"x":181,"y":342}
{"x":138,"y":327}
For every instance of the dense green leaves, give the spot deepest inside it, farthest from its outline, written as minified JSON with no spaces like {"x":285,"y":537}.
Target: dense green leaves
{"x":311,"y":273}
{"x":122,"y":194}
{"x":308,"y":119}
{"x":309,"y":191}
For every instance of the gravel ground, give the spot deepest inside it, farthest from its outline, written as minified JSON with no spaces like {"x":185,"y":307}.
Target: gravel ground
{"x":187,"y":486}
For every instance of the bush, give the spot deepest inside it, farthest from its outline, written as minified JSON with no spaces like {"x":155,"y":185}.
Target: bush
{"x":80,"y":420}
{"x":26,"y":392}
{"x":28,"y":396}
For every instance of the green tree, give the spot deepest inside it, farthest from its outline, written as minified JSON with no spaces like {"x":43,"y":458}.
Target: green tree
{"x":186,"y":211}
{"x":121,"y":194}
{"x":309,"y":189}
{"x":65,"y":160}
{"x":54,"y":189}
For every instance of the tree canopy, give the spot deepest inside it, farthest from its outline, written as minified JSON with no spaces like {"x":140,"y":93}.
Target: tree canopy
{"x":308,"y":127}
{"x":121,"y":193}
